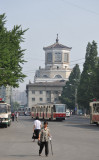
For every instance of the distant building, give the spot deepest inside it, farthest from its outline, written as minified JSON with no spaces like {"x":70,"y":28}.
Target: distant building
{"x":5,"y":93}
{"x":49,"y":81}
{"x":44,"y":92}
{"x":19,"y":97}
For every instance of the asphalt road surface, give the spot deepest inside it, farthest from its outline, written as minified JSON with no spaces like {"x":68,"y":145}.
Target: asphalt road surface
{"x":72,"y":139}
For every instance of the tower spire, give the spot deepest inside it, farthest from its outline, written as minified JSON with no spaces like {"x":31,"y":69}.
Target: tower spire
{"x":57,"y":39}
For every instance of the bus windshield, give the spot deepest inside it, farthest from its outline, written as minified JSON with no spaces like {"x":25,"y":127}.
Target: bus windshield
{"x":3,"y":108}
{"x":96,"y":109}
{"x":60,"y":108}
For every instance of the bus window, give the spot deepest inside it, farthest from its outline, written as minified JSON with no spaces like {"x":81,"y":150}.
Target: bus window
{"x":60,"y":108}
{"x":41,"y":109}
{"x":97,"y":109}
{"x":40,"y":112}
{"x":46,"y":110}
{"x":3,"y":109}
{"x":54,"y":108}
{"x":38,"y":109}
{"x":51,"y":109}
{"x":93,"y":109}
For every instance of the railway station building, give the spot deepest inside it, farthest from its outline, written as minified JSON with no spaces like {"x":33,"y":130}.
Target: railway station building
{"x":49,"y":81}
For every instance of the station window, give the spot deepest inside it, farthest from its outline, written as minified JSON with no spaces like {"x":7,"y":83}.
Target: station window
{"x":41,"y":99}
{"x":41,"y":92}
{"x":48,"y":92}
{"x":55,"y":99}
{"x":58,"y":76}
{"x":33,"y":99}
{"x":48,"y":99}
{"x":33,"y":92}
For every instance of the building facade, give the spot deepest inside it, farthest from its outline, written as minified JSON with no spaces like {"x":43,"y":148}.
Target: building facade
{"x":49,"y":81}
{"x":44,"y":92}
{"x":6,"y":93}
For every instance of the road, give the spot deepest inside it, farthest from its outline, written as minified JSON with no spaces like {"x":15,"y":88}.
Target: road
{"x":72,"y":139}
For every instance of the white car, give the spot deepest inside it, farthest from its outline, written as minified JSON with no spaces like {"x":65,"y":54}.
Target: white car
{"x":67,"y":113}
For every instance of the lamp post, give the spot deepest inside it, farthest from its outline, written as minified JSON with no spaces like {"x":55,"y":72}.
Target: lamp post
{"x":76,"y":105}
{"x":75,"y":96}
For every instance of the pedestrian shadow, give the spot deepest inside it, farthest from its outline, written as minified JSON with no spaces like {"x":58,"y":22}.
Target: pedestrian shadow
{"x":24,"y":155}
{"x":25,"y":118}
{"x":84,"y":126}
{"x":3,"y":126}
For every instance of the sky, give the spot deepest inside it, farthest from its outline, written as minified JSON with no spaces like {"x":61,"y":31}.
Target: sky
{"x":75,"y":21}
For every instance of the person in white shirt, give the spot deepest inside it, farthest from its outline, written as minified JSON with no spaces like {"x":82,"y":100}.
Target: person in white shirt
{"x":17,"y":115}
{"x":36,"y":128}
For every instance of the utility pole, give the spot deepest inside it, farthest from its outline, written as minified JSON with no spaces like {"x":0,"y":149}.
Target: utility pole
{"x":76,"y":105}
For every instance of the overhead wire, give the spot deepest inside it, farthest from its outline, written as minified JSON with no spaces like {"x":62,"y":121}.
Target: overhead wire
{"x":80,"y":7}
{"x":33,"y":70}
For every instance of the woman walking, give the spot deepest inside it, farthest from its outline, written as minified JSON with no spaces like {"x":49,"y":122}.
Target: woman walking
{"x":43,"y":138}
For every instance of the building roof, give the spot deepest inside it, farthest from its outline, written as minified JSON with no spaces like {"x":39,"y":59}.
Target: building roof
{"x":48,"y":84}
{"x":57,"y":45}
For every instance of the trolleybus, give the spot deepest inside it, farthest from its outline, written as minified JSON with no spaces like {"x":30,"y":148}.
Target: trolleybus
{"x":5,"y":114}
{"x":49,"y":111}
{"x":94,"y":112}
{"x":21,"y":111}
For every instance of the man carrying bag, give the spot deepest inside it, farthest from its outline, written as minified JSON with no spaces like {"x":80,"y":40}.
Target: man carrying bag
{"x":36,"y":129}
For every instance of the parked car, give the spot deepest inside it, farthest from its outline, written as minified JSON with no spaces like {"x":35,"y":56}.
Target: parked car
{"x":67,"y":113}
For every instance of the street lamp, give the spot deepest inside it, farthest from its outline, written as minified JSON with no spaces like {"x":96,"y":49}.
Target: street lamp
{"x":76,"y":105}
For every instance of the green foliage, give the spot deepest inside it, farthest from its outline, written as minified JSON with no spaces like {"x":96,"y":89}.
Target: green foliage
{"x":15,"y":106}
{"x":11,"y":55}
{"x":69,"y":91}
{"x":87,"y":84}
{"x":95,"y":82}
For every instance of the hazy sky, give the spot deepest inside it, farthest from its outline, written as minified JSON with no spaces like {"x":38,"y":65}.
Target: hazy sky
{"x":76,"y":22}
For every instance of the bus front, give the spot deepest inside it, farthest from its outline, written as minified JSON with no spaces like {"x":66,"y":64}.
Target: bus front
{"x":5,"y":116}
{"x":60,"y":112}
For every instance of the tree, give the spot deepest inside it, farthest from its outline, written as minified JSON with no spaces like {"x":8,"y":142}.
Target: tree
{"x":15,"y":106}
{"x":11,"y":54}
{"x":95,"y":82}
{"x":69,"y":90}
{"x":85,"y":89}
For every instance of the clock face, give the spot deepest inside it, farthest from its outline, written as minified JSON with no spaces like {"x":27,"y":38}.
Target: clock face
{"x":58,"y":57}
{"x":49,"y":57}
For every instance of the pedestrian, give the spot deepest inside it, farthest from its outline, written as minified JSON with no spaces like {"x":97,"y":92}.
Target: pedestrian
{"x":36,"y":128}
{"x":43,"y":138}
{"x":12,"y":115}
{"x":17,"y":115}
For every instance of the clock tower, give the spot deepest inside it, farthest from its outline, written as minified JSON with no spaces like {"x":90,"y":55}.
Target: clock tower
{"x":56,"y":63}
{"x":57,"y":56}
